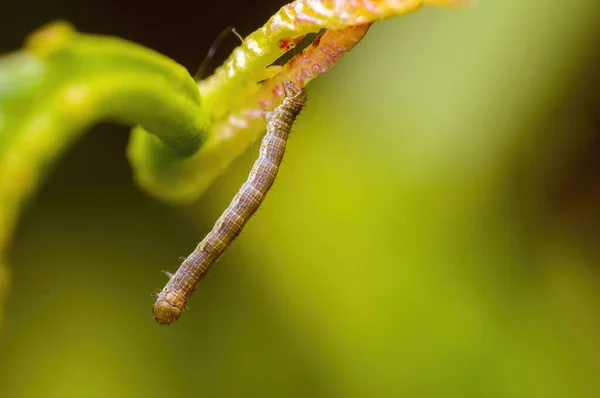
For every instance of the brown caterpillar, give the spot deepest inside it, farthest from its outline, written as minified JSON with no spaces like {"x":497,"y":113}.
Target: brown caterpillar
{"x":172,"y":299}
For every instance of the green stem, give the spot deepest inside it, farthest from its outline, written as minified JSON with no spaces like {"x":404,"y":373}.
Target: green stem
{"x":64,"y":82}
{"x":243,"y":88}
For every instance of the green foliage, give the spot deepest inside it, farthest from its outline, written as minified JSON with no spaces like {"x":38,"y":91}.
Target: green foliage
{"x":412,"y":247}
{"x":63,"y":82}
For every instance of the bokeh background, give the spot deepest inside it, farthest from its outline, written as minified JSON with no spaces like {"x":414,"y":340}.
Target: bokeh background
{"x":434,"y":232}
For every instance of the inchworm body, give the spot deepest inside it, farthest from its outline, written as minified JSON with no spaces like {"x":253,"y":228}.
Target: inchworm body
{"x":172,"y":299}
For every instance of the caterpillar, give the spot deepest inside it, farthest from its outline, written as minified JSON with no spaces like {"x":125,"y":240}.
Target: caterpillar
{"x":182,"y":285}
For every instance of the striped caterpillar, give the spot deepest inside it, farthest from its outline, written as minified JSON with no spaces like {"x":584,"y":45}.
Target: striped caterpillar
{"x":181,"y":286}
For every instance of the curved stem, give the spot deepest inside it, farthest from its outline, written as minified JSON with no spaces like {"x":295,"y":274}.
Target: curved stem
{"x":239,"y":92}
{"x":64,"y":82}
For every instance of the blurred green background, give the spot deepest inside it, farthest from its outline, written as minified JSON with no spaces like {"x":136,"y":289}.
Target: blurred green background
{"x":434,"y":231}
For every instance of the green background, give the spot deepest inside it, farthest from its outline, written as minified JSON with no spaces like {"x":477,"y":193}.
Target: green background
{"x":434,"y":230}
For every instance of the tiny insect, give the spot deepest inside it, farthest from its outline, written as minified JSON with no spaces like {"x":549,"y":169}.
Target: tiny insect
{"x":181,"y":286}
